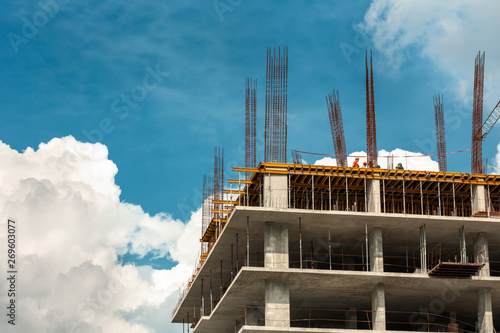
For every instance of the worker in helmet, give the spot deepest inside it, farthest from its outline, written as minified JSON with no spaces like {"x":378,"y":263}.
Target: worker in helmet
{"x":400,"y":166}
{"x":365,"y":165}
{"x":355,"y":164}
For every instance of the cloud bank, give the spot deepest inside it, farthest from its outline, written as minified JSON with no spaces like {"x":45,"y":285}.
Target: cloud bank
{"x":71,"y":228}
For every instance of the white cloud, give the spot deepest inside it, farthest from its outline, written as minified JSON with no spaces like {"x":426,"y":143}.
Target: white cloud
{"x":71,"y":226}
{"x":409,"y":160}
{"x":326,"y":161}
{"x":450,"y":33}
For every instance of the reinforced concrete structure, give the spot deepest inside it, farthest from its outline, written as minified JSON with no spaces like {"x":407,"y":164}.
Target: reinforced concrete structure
{"x":303,"y":248}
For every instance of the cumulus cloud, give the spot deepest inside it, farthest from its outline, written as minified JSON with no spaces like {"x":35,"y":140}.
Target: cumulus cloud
{"x":71,"y":228}
{"x":409,"y":160}
{"x":449,"y":33}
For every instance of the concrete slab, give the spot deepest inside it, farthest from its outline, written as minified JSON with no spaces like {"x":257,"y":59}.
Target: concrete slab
{"x":344,"y":289}
{"x":348,"y":231}
{"x":260,"y":329}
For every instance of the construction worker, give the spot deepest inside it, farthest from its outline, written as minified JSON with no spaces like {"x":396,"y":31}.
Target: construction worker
{"x":355,"y":164}
{"x":365,"y":165}
{"x":400,"y":166}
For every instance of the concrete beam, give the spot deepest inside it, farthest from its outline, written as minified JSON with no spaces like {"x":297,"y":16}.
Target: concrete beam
{"x":276,"y":245}
{"x":478,"y":199}
{"x":481,"y":253}
{"x":484,"y":311}
{"x":376,"y":250}
{"x":277,"y":301}
{"x":373,"y":195}
{"x":275,"y":191}
{"x":378,"y":307}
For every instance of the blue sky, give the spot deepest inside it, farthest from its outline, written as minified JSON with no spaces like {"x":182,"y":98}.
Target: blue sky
{"x":64,"y":79}
{"x":160,"y":83}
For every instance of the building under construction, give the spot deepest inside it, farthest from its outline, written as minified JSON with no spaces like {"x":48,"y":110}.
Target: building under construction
{"x":310,"y":248}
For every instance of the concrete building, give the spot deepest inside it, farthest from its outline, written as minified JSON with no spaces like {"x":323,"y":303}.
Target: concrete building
{"x":328,"y":249}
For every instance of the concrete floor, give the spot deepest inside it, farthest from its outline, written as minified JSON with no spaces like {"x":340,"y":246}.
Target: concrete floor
{"x":340,"y":288}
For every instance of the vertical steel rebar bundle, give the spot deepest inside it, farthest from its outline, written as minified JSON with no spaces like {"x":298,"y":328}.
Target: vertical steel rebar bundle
{"x":276,"y":105}
{"x":206,"y":211}
{"x":440,"y":133}
{"x":218,"y":175}
{"x":477,"y":115}
{"x":337,"y":127}
{"x":250,"y":123}
{"x":371,"y":132}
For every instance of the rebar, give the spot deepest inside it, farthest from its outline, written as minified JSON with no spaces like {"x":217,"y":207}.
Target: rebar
{"x":440,"y":132}
{"x":337,"y":127}
{"x":276,"y":106}
{"x":250,"y":124}
{"x":371,"y":133}
{"x":477,"y":115}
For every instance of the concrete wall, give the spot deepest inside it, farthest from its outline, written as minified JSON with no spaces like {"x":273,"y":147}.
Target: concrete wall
{"x":275,"y":188}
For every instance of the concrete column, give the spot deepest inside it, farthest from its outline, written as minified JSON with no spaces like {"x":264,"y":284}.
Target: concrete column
{"x":376,"y":250}
{"x":276,"y":245}
{"x":277,"y":303}
{"x":484,"y":311}
{"x":351,"y":319}
{"x":378,"y":307}
{"x":481,"y":253}
{"x":478,"y":199}
{"x":275,"y":191}
{"x":373,"y":195}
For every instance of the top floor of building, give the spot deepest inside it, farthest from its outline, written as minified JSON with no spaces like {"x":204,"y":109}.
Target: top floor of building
{"x":374,"y":190}
{"x":343,"y":208}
